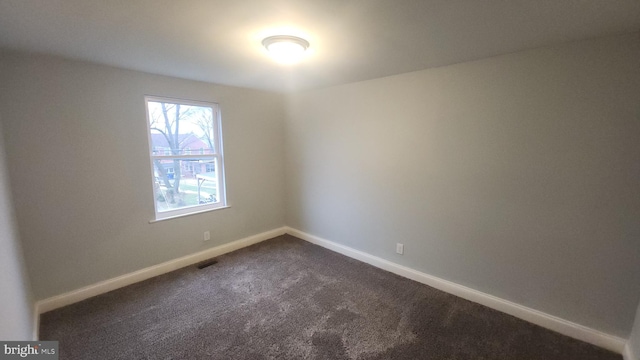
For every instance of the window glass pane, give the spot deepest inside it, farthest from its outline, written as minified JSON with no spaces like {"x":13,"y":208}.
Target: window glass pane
{"x":186,"y":156}
{"x":180,"y":183}
{"x":176,"y":129}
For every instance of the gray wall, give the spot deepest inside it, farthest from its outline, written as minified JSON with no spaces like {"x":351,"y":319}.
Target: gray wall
{"x":634,"y":339}
{"x":16,"y":307}
{"x":515,"y":175}
{"x":78,"y":160}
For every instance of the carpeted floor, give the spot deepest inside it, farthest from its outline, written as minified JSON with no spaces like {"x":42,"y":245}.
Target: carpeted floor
{"x":287,"y":299}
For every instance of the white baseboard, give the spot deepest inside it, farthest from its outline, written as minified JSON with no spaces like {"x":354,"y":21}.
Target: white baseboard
{"x":628,"y":354}
{"x":102,"y":287}
{"x":540,"y":318}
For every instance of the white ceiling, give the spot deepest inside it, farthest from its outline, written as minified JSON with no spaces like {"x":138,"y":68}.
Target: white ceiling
{"x":351,"y":40}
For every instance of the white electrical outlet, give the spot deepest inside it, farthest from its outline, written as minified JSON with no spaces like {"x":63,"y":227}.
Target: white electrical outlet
{"x":207,"y":236}
{"x":400,"y":248}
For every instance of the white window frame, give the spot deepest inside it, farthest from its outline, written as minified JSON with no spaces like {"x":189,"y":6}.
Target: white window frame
{"x":217,"y":156}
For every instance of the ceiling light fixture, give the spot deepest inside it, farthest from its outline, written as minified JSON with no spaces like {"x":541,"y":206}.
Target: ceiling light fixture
{"x":285,"y":48}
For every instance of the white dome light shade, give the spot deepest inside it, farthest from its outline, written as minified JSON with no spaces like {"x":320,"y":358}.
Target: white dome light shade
{"x":286,"y":49}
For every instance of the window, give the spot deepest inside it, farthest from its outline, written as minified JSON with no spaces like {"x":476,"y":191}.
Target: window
{"x":177,"y":126}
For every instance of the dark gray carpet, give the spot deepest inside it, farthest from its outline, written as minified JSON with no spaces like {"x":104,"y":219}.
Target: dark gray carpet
{"x":288,"y":299}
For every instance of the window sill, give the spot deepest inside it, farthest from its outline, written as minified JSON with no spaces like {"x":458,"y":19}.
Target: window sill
{"x":189,"y":214}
